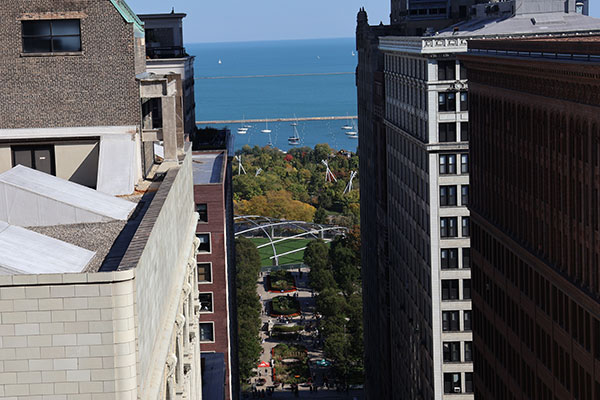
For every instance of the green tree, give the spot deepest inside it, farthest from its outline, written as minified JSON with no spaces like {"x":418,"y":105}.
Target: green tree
{"x":247,"y":263}
{"x":320,"y":216}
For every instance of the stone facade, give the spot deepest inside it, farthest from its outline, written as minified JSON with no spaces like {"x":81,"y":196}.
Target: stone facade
{"x":127,"y":332}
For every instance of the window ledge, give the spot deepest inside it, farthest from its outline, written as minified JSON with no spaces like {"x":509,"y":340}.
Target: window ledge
{"x":56,"y":54}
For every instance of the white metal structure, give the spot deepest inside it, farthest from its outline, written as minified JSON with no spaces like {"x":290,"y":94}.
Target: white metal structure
{"x":329,"y":176}
{"x":349,"y":185}
{"x":240,"y":166}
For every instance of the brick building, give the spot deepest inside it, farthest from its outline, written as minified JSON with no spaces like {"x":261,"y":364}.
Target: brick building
{"x":216,"y":269}
{"x":535,"y":145}
{"x":73,"y":76}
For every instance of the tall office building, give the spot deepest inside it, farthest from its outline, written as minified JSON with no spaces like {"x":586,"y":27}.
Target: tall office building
{"x":414,"y":141}
{"x":535,"y":145}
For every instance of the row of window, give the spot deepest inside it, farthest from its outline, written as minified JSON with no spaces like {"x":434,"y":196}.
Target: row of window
{"x":447,"y":101}
{"x":448,"y":195}
{"x":450,"y":289}
{"x":449,"y":258}
{"x":451,"y":351}
{"x":447,"y":132}
{"x":451,"y":321}
{"x":449,"y":227}
{"x":448,"y":164}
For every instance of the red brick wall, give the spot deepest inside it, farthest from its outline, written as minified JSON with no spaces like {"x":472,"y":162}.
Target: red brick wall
{"x":213,"y":196}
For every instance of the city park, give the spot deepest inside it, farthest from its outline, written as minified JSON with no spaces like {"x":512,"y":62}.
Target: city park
{"x":300,"y":350}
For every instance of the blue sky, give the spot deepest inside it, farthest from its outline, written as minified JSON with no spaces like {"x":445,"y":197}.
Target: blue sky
{"x":242,"y":20}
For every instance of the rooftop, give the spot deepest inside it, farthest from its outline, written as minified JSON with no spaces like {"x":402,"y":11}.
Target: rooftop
{"x":23,"y":251}
{"x":454,"y":38}
{"x":208,"y":167}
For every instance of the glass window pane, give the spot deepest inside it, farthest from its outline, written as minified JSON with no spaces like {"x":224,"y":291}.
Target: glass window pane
{"x":36,"y":45}
{"x":36,"y":28}
{"x":67,"y":43}
{"x":65,"y":27}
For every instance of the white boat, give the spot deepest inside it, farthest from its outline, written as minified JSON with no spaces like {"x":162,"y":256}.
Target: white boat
{"x":220,"y":62}
{"x":352,"y":133}
{"x":353,"y":54}
{"x":242,"y":131}
{"x":270,"y":142}
{"x":295,"y":138}
{"x":349,"y":125}
{"x":266,"y":130}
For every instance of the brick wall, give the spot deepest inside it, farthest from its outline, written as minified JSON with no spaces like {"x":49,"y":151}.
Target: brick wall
{"x":68,"y":334}
{"x":94,"y":88}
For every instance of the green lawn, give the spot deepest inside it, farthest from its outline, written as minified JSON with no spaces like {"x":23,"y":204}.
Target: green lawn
{"x":282,"y":247}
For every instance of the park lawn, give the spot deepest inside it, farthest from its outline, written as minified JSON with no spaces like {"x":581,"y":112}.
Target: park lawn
{"x":282,"y":247}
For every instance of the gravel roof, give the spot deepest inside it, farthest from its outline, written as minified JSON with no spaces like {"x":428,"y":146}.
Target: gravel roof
{"x":97,"y":236}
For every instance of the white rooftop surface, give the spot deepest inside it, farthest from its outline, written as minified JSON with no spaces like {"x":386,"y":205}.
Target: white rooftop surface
{"x":33,"y":198}
{"x":26,"y":252}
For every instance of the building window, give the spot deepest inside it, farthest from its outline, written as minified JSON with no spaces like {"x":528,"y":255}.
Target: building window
{"x":207,"y":332}
{"x":204,"y":246}
{"x":447,"y":195}
{"x":464,"y":195}
{"x":449,"y":289}
{"x":452,"y":383}
{"x":204,"y":272}
{"x":447,"y":101}
{"x":468,"y":351}
{"x":451,"y":351}
{"x":202,"y":211}
{"x":448,"y":227}
{"x":51,"y":36}
{"x":449,"y":258}
{"x":464,"y":163}
{"x":206,"y":302}
{"x":447,"y":132}
{"x":464,"y":131}
{"x":450,"y":321}
{"x":466,"y":258}
{"x":464,"y":101}
{"x":447,"y":164}
{"x":466,"y":289}
{"x":468,"y":382}
{"x":466,"y":226}
{"x":467,"y":320}
{"x":446,"y":70}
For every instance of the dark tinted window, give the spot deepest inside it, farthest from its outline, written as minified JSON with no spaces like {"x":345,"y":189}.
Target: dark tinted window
{"x":51,"y":36}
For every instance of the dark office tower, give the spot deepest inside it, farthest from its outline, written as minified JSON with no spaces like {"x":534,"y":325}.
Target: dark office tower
{"x":419,"y":16}
{"x":413,"y":113}
{"x":535,"y":242}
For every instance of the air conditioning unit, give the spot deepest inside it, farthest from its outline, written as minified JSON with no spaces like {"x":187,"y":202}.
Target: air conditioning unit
{"x":456,"y":389}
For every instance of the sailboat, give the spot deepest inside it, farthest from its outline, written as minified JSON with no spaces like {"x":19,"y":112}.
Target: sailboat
{"x":348,"y":126}
{"x":270,"y":142}
{"x":220,"y":62}
{"x":243,"y":129}
{"x":352,"y":133}
{"x":266,"y":130}
{"x":353,"y":53}
{"x":295,"y":138}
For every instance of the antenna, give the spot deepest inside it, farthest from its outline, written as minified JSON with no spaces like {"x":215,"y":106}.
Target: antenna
{"x":258,"y":171}
{"x":329,"y":176}
{"x":349,"y":185}
{"x":240,"y":166}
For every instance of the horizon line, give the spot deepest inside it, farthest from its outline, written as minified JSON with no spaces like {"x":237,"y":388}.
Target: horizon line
{"x":266,"y":40}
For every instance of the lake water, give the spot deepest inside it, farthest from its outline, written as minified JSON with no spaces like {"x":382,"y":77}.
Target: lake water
{"x":278,"y":97}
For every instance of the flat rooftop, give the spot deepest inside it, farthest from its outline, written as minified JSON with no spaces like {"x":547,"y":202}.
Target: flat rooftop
{"x":208,"y":167}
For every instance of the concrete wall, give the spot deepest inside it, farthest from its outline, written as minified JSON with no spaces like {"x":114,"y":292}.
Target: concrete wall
{"x":68,"y":335}
{"x":160,"y":267}
{"x":77,"y":162}
{"x":5,"y":158}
